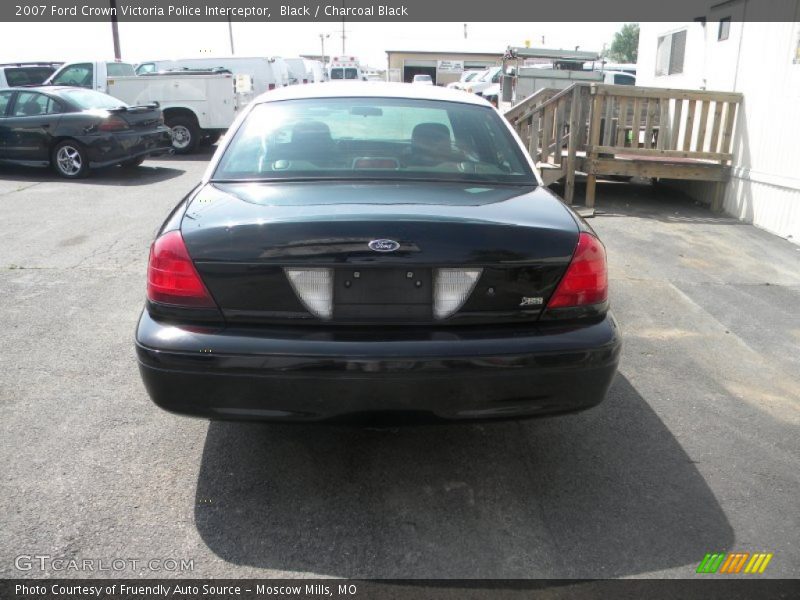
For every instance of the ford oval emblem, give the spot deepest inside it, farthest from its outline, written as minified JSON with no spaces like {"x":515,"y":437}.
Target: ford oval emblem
{"x":383,"y":245}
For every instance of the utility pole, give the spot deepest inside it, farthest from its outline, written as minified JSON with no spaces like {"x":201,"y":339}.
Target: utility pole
{"x":343,"y":35}
{"x":115,"y":30}
{"x":465,"y":31}
{"x":230,"y":33}
{"x":322,"y":38}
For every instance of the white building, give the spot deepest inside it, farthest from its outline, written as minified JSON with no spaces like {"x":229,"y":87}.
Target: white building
{"x":762,"y":61}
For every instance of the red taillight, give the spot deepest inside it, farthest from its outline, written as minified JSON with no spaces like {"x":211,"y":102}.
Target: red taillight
{"x":171,"y":276}
{"x":586,"y":279}
{"x":113,"y":123}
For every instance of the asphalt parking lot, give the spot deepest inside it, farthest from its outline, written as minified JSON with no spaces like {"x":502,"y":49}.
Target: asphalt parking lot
{"x":695,"y":450}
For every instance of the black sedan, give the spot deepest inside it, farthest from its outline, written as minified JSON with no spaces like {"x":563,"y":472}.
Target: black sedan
{"x":375,"y":248}
{"x":75,"y":130}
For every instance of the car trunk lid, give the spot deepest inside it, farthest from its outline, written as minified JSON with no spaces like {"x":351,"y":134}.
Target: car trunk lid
{"x":144,"y":117}
{"x":244,"y":236}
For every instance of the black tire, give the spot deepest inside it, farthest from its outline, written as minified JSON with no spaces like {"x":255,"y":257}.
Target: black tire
{"x":185,"y":134}
{"x":211,"y":138}
{"x":132,"y":163}
{"x":69,"y":160}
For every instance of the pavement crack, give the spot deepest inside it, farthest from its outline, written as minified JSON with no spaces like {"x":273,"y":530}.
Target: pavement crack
{"x":21,"y":189}
{"x":96,"y":252}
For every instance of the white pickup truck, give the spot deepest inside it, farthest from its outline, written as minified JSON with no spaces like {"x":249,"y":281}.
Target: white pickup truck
{"x":198,"y":106}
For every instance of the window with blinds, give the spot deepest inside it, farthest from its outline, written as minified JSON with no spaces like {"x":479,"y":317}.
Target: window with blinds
{"x":671,"y":53}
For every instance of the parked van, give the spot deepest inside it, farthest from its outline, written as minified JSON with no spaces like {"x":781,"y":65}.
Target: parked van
{"x":267,"y":73}
{"x":316,"y":70}
{"x":345,"y":68}
{"x":281,"y":68}
{"x":297,"y":70}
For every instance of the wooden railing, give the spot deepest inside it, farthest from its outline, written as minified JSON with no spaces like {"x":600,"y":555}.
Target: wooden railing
{"x":623,"y":130}
{"x":663,"y":122}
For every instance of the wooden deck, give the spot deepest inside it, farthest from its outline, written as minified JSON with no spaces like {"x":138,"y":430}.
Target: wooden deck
{"x":619,"y":130}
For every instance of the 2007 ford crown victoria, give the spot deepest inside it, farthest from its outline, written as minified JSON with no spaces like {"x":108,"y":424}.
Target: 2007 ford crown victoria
{"x":374,"y":248}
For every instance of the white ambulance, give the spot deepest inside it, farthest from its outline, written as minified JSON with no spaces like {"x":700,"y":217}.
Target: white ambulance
{"x":345,"y":68}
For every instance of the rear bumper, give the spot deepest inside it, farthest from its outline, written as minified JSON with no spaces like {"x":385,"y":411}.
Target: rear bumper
{"x":303,"y":374}
{"x":110,"y":149}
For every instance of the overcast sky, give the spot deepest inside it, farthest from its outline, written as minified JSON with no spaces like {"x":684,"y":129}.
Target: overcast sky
{"x":368,"y":41}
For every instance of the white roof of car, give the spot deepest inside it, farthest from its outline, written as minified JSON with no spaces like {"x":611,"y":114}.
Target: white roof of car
{"x":370,"y":89}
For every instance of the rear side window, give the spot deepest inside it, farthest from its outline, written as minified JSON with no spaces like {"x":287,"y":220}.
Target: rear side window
{"x":146,"y":68}
{"x":31,"y":104}
{"x":27,"y":75}
{"x":374,"y":138}
{"x":89,"y":99}
{"x":5,"y":98}
{"x":79,"y":75}
{"x":622,"y":79}
{"x":119,"y":70}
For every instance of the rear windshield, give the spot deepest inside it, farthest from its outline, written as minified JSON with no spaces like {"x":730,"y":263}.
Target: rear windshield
{"x":374,"y":138}
{"x":89,"y":99}
{"x":27,"y":75}
{"x":119,"y":70}
{"x":344,"y":73}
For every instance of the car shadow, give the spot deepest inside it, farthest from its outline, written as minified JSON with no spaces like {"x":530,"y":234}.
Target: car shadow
{"x":604,"y":493}
{"x":202,"y":153}
{"x":144,"y":174}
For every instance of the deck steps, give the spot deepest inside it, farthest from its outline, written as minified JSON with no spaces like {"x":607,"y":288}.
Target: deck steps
{"x":627,"y":131}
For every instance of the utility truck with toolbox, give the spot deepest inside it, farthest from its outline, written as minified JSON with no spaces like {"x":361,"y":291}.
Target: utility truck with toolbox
{"x":267,"y":73}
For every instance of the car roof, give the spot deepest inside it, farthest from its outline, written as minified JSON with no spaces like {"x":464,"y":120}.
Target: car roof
{"x":370,"y":89}
{"x":44,"y":89}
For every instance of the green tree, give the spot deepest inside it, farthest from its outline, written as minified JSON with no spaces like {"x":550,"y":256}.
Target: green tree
{"x":625,"y":47}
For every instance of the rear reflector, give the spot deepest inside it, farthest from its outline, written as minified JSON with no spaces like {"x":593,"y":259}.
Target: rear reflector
{"x":586,"y":279}
{"x":171,"y":276}
{"x":451,"y":289}
{"x":314,"y":287}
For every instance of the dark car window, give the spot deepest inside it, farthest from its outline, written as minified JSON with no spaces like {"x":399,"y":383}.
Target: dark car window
{"x":31,"y":104}
{"x":621,"y":79}
{"x":5,"y":98}
{"x":119,"y":70}
{"x":79,"y":75}
{"x":374,"y":138}
{"x":89,"y":99}
{"x":27,"y":75}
